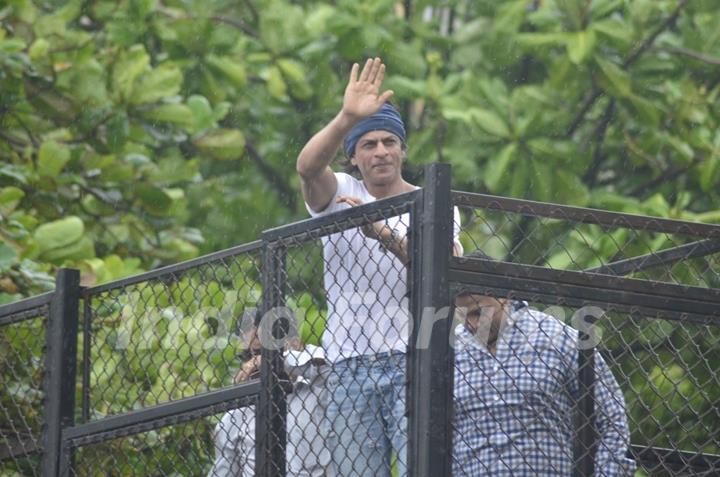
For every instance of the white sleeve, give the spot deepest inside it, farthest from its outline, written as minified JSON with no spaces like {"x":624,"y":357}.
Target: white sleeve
{"x":344,"y":186}
{"x":456,"y":232}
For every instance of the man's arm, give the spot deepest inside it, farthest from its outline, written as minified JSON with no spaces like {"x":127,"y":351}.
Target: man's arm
{"x":611,"y":424}
{"x":361,"y":99}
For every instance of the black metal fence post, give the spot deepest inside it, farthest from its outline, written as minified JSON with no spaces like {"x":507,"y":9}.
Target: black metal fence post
{"x":60,"y":367}
{"x":430,"y":363}
{"x":586,"y":435}
{"x":271,"y":412}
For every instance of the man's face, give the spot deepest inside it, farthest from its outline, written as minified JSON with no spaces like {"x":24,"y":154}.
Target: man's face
{"x":379,"y":156}
{"x":481,"y":314}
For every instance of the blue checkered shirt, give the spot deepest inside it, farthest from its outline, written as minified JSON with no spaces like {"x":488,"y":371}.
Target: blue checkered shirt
{"x":514,"y":411}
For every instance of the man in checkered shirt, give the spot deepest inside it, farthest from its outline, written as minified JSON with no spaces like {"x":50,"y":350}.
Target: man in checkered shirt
{"x":515,"y":390}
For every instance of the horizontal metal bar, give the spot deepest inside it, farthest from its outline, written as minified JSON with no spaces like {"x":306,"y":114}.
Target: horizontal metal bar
{"x":161,"y":411}
{"x":517,"y":290}
{"x":585,"y":215}
{"x":579,"y":288}
{"x":170,"y":269}
{"x":701,"y":248}
{"x":18,"y":450}
{"x":22,"y":307}
{"x":675,"y":458}
{"x":591,"y":280}
{"x":342,"y":220}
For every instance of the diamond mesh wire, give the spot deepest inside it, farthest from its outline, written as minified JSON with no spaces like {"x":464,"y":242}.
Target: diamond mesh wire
{"x":570,"y":245}
{"x":22,"y":363}
{"x":172,"y":336}
{"x":514,"y":404}
{"x":178,"y":334}
{"x":665,"y":369}
{"x":211,"y":443}
{"x":346,"y":287}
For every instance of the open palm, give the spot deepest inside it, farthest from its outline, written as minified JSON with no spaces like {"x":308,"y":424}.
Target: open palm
{"x":362,"y":94}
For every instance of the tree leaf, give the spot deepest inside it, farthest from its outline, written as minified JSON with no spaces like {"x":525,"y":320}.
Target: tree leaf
{"x":276,"y":84}
{"x":153,"y":199}
{"x":490,"y":122}
{"x":9,"y":199}
{"x":646,"y":110}
{"x":230,"y":68}
{"x":176,"y":113}
{"x":201,"y":112}
{"x":81,"y":249}
{"x":296,"y":76}
{"x":52,"y":158}
{"x":497,"y":169}
{"x":131,"y":64}
{"x":156,"y":84}
{"x":58,"y":233}
{"x":8,"y":257}
{"x":222,"y":144}
{"x":613,"y":80}
{"x":580,"y":46}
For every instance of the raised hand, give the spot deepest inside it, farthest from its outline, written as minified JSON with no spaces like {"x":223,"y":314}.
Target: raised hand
{"x":362,"y":94}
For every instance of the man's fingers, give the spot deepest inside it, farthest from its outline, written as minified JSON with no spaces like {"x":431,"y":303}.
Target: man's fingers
{"x":352,"y":201}
{"x":386,"y":96}
{"x":380,"y":75}
{"x":374,"y":70}
{"x":354,"y":73}
{"x":366,"y":70}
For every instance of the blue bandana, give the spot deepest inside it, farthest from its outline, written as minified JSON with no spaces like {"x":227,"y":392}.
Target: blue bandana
{"x":387,"y":119}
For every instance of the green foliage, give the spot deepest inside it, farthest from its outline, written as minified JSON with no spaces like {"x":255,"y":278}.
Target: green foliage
{"x":139,"y":133}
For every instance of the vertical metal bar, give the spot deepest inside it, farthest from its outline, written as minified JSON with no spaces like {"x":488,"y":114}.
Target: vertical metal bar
{"x":271,"y":412}
{"x":585,"y":432}
{"x":430,"y":361}
{"x":86,"y":365}
{"x":60,"y":367}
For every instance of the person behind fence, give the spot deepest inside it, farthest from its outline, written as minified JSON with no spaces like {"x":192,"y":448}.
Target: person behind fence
{"x":515,"y":393}
{"x":365,"y":277}
{"x":306,"y":453}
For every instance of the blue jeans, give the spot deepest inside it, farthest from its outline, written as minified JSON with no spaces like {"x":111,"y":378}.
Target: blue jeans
{"x":366,"y":415}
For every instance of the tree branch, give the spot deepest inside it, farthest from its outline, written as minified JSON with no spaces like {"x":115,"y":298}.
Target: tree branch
{"x":596,"y":92}
{"x":645,"y":45}
{"x":274,"y":177}
{"x":669,"y":174}
{"x":239,"y":24}
{"x":253,"y":10}
{"x":711,"y":60}
{"x":236,"y":23}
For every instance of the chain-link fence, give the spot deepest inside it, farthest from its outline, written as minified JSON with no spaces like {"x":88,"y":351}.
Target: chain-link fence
{"x":519,"y":396}
{"x":171,"y":334}
{"x":570,"y":341}
{"x":212,"y":440}
{"x":22,"y":363}
{"x":342,"y":282}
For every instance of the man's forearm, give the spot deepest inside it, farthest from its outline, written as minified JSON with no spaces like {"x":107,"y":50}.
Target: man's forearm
{"x":320,"y":150}
{"x":393,"y":242}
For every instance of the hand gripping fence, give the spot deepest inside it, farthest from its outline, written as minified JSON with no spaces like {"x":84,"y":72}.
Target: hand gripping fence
{"x":561,"y":341}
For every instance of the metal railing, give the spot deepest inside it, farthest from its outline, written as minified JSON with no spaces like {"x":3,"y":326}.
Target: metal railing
{"x":136,"y":376}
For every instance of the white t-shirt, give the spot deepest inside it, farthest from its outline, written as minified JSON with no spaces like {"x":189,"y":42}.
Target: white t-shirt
{"x":365,"y":285}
